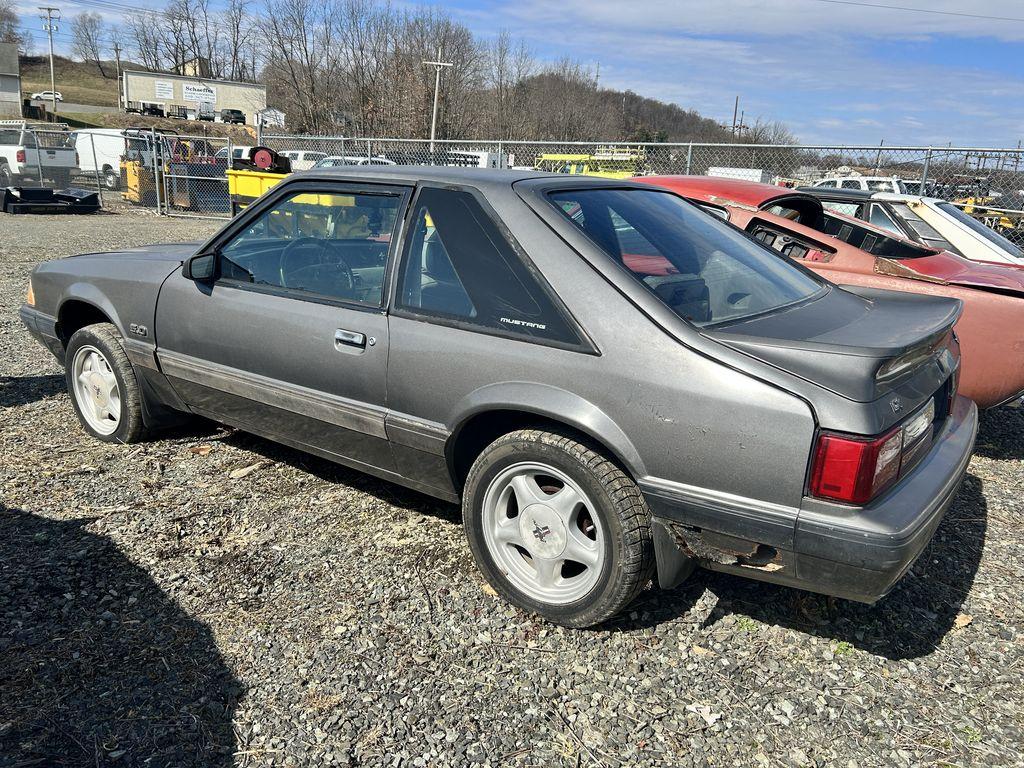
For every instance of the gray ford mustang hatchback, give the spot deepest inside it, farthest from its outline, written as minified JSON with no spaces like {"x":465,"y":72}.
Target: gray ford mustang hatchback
{"x":615,"y":384}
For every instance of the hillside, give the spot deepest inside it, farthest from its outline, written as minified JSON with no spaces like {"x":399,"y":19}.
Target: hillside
{"x":78,"y":83}
{"x":557,"y":107}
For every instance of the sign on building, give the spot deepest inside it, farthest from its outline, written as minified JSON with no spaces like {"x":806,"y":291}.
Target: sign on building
{"x":163,"y":89}
{"x":198,"y":92}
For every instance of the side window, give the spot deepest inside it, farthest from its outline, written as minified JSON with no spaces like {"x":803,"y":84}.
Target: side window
{"x":458,"y":265}
{"x":882,"y":219}
{"x":830,"y":183}
{"x":330,"y":244}
{"x":851,"y":184}
{"x":847,"y":209}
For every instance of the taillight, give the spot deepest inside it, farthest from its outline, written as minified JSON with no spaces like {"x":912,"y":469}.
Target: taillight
{"x":19,"y":156}
{"x":855,"y":470}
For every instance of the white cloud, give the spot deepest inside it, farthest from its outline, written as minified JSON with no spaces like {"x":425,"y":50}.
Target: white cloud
{"x":824,"y":69}
{"x":782,"y":19}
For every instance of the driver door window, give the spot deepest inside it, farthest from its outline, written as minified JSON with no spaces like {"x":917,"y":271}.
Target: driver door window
{"x":326,"y":244}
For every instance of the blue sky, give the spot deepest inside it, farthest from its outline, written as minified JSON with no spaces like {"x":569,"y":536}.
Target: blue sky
{"x":834,"y":73}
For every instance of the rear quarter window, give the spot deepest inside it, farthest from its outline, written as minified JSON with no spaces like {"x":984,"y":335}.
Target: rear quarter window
{"x":459,"y":267}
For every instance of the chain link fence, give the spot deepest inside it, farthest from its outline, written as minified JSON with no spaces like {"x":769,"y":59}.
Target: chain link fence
{"x":987,"y":182}
{"x":185,"y":175}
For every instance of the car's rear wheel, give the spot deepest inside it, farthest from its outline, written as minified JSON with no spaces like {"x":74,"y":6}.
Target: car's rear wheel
{"x":111,"y":179}
{"x":102,"y":385}
{"x":557,"y":528}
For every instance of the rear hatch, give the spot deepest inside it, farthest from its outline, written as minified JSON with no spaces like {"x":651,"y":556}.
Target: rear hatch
{"x":865,"y":344}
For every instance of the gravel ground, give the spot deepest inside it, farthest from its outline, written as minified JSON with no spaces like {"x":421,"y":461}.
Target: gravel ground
{"x":210,"y":598}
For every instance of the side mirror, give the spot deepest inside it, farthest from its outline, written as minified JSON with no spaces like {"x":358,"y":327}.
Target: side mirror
{"x":200,"y":268}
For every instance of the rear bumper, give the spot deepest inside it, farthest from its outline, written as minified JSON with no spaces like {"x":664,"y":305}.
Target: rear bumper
{"x":43,"y":328}
{"x":855,"y":553}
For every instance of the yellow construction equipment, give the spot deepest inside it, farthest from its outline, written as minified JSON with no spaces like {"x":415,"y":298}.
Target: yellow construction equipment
{"x":606,"y":162}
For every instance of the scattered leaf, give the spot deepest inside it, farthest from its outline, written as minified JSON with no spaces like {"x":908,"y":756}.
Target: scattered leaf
{"x":709,"y":717}
{"x":201,"y":450}
{"x":700,"y":650}
{"x":489,"y":590}
{"x":238,"y":474}
{"x":962,"y":620}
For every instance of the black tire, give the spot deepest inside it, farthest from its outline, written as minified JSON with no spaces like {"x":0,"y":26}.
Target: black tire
{"x":105,"y":338}
{"x":6,"y":177}
{"x":111,"y":179}
{"x":628,"y":562}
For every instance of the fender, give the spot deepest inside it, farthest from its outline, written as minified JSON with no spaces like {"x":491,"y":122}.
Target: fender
{"x":553,"y":403}
{"x":90,"y":294}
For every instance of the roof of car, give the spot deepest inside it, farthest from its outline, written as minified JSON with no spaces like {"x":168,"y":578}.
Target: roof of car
{"x":752,"y":193}
{"x":853,"y":195}
{"x":859,"y":195}
{"x":481,"y":178}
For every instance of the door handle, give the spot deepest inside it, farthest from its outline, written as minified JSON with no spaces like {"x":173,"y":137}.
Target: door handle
{"x":343,"y":338}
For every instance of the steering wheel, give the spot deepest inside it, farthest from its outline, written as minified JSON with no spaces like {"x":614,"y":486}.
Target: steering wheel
{"x":303,"y":265}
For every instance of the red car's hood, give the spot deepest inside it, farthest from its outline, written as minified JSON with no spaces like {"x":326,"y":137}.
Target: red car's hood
{"x":951,"y":268}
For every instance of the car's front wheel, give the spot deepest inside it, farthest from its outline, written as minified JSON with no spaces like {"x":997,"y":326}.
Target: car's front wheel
{"x":102,"y":385}
{"x":557,"y":528}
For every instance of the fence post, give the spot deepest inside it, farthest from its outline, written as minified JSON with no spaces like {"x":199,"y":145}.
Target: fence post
{"x":39,"y":156}
{"x":155,"y":161}
{"x":501,"y":155}
{"x":96,"y":167}
{"x":689,"y":158}
{"x":924,"y":171}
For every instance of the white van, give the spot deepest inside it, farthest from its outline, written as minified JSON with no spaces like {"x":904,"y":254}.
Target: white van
{"x":100,"y":149}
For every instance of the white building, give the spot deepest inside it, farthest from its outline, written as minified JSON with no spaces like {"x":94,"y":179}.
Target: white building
{"x":179,"y":92}
{"x":10,"y":81}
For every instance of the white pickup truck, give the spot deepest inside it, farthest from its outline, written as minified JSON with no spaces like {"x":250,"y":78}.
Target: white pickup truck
{"x":29,"y":151}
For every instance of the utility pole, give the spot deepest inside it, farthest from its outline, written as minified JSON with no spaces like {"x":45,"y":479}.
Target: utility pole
{"x":438,"y":66}
{"x":117,"y":57}
{"x":50,"y":27}
{"x":735,"y":113}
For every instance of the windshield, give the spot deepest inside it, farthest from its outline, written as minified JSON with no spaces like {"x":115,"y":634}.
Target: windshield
{"x":702,"y":269}
{"x":979,"y":228}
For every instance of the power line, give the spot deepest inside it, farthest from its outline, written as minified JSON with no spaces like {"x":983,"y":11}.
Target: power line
{"x":110,"y":5}
{"x":921,"y":10}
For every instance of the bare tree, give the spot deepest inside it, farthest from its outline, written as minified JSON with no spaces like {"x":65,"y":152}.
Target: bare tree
{"x":239,"y":41}
{"x":10,"y":25}
{"x":303,"y":59}
{"x":509,"y":65}
{"x":769,"y":132}
{"x":145,"y":40}
{"x":88,"y":36}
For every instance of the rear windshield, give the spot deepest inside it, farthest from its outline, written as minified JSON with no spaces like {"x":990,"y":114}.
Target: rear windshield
{"x":702,"y":269}
{"x":978,"y":227}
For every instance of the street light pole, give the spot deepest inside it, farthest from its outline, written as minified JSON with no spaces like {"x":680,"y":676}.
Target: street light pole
{"x":50,"y":27}
{"x":437,"y":65}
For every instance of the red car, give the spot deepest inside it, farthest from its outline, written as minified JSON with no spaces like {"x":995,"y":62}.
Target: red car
{"x":849,"y":251}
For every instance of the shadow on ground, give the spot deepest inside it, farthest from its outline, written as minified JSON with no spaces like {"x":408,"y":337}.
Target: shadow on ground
{"x":22,"y":390}
{"x":910,"y":622}
{"x":390,"y":493}
{"x":1001,"y":434}
{"x":100,"y":667}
